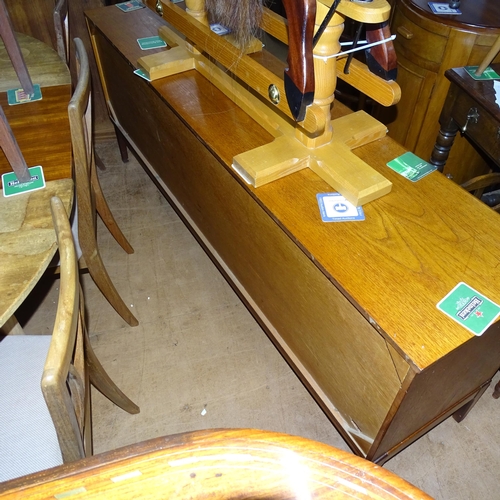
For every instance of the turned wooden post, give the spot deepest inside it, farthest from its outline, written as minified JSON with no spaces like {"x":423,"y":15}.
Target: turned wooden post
{"x":196,"y":8}
{"x":325,"y":72}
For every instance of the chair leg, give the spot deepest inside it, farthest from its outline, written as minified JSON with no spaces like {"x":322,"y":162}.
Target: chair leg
{"x":101,"y":278}
{"x":122,"y":144}
{"x":99,"y":162}
{"x":103,"y":383}
{"x":11,"y":327}
{"x":105,"y":213}
{"x":496,"y":392}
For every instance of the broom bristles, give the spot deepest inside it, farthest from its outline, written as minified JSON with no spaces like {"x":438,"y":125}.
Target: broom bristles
{"x":242,"y":17}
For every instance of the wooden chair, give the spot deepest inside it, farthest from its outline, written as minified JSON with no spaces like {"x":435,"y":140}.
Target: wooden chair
{"x":90,"y":198}
{"x":44,"y":426}
{"x":478,"y":184}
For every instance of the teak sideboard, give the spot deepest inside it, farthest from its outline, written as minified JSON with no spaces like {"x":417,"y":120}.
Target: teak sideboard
{"x":351,"y":306}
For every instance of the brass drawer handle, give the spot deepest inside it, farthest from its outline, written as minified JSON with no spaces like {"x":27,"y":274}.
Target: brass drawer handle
{"x":159,"y":8}
{"x":404,"y":32}
{"x":472,"y":116}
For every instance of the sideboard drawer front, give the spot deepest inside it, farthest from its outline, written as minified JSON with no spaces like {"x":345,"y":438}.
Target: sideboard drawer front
{"x":485,"y":132}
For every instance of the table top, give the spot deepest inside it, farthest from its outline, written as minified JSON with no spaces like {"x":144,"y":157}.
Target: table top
{"x":44,"y":64}
{"x":27,"y":241}
{"x":416,"y":244}
{"x":482,"y":91}
{"x":221,"y":463}
{"x":41,"y":128}
{"x":475,"y":13}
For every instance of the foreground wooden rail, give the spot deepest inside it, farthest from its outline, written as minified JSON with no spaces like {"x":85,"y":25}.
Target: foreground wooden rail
{"x":240,"y":463}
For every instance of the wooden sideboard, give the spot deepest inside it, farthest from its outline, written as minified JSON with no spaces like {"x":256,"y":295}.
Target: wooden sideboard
{"x":427,"y":45}
{"x":351,"y":306}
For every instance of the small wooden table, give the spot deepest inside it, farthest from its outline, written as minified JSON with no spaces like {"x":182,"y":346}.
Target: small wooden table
{"x":427,"y":45}
{"x":27,"y":241}
{"x":41,"y":127}
{"x":471,"y":107}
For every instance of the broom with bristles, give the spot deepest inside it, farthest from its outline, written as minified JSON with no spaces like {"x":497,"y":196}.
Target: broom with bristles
{"x":242,"y":17}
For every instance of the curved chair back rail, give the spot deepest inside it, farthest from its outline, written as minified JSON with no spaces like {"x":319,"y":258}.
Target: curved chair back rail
{"x":225,"y":463}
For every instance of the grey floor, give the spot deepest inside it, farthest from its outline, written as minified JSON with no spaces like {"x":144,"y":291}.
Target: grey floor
{"x":199,"y":360}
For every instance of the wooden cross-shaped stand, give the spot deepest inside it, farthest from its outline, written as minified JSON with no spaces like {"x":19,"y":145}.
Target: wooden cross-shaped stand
{"x":317,"y":142}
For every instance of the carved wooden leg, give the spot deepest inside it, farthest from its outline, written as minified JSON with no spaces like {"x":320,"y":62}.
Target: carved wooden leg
{"x":444,"y":141}
{"x":448,"y":131}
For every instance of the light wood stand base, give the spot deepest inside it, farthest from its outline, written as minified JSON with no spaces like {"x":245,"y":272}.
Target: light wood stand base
{"x":317,"y":143}
{"x":334,"y":162}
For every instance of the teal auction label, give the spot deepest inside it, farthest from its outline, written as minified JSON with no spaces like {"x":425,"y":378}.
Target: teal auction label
{"x":469,"y":308}
{"x":12,"y":186}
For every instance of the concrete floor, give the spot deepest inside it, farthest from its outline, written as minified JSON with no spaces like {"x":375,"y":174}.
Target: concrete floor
{"x":199,"y":360}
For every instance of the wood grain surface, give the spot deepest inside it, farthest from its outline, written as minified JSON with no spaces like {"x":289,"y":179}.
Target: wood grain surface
{"x":479,"y":13}
{"x":415,"y":245}
{"x":41,"y":128}
{"x":45,"y":66}
{"x":238,"y":463}
{"x":27,"y":241}
{"x":351,"y":306}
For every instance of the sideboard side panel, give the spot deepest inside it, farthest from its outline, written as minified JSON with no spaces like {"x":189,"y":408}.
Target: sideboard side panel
{"x":445,"y":385}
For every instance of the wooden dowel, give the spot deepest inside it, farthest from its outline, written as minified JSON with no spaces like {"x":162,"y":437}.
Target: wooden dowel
{"x":489,"y":57}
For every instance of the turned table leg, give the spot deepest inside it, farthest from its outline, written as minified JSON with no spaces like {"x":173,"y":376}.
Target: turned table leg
{"x":444,"y":141}
{"x":448,"y":130}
